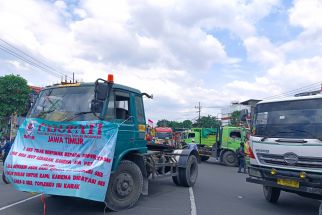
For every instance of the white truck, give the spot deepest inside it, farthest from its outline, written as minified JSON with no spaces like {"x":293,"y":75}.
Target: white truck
{"x":286,"y":147}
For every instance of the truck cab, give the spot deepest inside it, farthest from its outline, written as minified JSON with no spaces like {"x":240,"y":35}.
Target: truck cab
{"x":164,"y":135}
{"x":220,"y":143}
{"x":72,"y":102}
{"x":285,"y":147}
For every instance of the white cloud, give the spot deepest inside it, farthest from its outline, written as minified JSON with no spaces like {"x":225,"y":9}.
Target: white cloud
{"x":161,"y":47}
{"x":260,"y":49}
{"x":306,"y":14}
{"x":60,"y":4}
{"x":281,"y":78}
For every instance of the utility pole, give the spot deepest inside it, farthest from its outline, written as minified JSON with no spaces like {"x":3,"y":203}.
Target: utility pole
{"x":198,"y":111}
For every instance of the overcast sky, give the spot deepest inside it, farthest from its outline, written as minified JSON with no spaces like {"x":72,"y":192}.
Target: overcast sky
{"x":182,"y":51}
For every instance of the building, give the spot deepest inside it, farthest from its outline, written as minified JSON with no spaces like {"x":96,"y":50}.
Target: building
{"x":228,"y":110}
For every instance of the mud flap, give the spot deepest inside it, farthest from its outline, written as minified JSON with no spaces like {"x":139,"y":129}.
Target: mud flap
{"x":145,"y":190}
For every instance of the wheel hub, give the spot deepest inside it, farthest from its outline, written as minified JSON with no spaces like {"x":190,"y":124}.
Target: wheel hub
{"x":231,"y":158}
{"x":124,"y":184}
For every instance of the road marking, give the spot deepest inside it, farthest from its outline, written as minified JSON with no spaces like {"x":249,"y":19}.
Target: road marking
{"x":22,"y":201}
{"x":192,"y":201}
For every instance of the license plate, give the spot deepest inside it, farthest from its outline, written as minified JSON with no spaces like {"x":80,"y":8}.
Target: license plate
{"x":288,"y":183}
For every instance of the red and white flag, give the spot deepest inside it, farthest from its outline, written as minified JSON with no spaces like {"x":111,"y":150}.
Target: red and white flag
{"x":150,"y":121}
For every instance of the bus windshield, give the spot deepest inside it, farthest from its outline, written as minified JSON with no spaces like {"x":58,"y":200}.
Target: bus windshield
{"x":64,"y":104}
{"x":290,"y":119}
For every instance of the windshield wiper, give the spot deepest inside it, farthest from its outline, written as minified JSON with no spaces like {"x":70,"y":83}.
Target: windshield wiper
{"x":279,"y":132}
{"x":76,"y":115}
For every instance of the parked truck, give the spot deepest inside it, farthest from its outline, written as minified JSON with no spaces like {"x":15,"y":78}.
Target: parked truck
{"x":220,"y":143}
{"x":135,"y":161}
{"x":164,"y":135}
{"x":286,"y":147}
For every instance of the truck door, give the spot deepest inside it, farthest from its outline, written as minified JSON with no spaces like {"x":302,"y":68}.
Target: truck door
{"x":234,"y":139}
{"x":140,"y":123}
{"x":123,"y":115}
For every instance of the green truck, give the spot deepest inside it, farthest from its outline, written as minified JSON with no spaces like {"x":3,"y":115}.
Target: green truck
{"x":135,"y":162}
{"x":220,"y":143}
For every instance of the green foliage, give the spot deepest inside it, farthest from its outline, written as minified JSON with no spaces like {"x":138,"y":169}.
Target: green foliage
{"x":187,"y":124}
{"x":174,"y":124}
{"x":204,"y":122}
{"x":235,"y":118}
{"x":14,"y":95}
{"x":207,"y":122}
{"x":163,"y":123}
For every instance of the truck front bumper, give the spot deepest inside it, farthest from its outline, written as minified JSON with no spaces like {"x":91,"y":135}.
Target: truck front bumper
{"x":311,"y":184}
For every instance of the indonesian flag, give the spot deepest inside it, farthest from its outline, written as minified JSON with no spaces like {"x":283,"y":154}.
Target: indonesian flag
{"x":150,"y":121}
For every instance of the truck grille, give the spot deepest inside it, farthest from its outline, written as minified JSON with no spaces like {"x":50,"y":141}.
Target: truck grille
{"x":304,"y":162}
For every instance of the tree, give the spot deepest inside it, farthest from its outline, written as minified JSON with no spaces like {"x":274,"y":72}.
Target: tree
{"x":163,"y":123}
{"x":174,"y":124}
{"x":235,"y":118}
{"x":187,"y":124}
{"x":207,"y":122}
{"x":14,"y":95}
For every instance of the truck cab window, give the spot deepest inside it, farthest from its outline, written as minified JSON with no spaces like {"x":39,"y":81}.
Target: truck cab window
{"x":235,"y":134}
{"x":191,"y":135}
{"x":122,"y":104}
{"x":139,"y":109}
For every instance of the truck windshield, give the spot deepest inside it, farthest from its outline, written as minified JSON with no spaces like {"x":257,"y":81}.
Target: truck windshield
{"x":163,"y":135}
{"x":290,"y":119}
{"x":64,"y":104}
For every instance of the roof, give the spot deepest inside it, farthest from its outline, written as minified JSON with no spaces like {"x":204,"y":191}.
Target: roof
{"x":319,"y":96}
{"x":36,"y":89}
{"x":115,"y":86}
{"x":247,"y":102}
{"x":163,"y":129}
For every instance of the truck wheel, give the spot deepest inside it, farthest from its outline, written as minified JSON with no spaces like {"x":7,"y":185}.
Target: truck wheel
{"x":230,"y":158}
{"x":271,"y":194}
{"x":175,"y":180}
{"x":204,"y":158}
{"x":189,"y":174}
{"x":125,"y":186}
{"x":4,"y":179}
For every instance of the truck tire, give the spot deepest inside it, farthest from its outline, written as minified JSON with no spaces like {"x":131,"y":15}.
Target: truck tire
{"x":204,"y":158}
{"x":271,"y":194}
{"x":230,"y":159}
{"x":175,"y":178}
{"x":4,"y":179}
{"x":188,"y":175}
{"x":176,"y":181}
{"x":125,"y":186}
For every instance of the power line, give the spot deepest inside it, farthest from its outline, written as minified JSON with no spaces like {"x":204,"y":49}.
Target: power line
{"x":310,"y":87}
{"x":22,"y":59}
{"x":19,"y":50}
{"x":14,"y":51}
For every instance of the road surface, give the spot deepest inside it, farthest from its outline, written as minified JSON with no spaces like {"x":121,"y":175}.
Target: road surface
{"x":219,"y":190}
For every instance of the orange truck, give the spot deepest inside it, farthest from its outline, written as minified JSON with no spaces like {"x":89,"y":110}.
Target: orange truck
{"x":164,"y":135}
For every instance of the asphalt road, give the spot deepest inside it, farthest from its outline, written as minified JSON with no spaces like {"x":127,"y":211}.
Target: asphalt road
{"x":219,"y":190}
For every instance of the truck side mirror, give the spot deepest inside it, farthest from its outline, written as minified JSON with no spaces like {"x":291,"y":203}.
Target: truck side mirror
{"x":101,"y":92}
